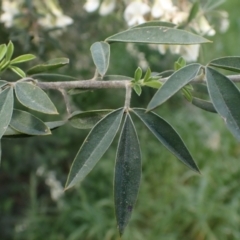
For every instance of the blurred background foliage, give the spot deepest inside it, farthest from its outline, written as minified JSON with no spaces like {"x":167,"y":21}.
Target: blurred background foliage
{"x":174,"y":203}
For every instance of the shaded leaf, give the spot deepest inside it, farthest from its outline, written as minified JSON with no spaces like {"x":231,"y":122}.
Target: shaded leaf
{"x":18,"y":71}
{"x":157,"y":35}
{"x":55,"y":124}
{"x":6,"y":109}
{"x":27,"y":123}
{"x":52,"y":77}
{"x":228,"y":63}
{"x":127,"y":174}
{"x":225,"y":96}
{"x":155,"y":24}
{"x":10,"y":50}
{"x":86,"y":120}
{"x":12,"y":133}
{"x":175,"y":82}
{"x":147,"y":75}
{"x":137,"y":74}
{"x":48,"y":66}
{"x":3,"y":50}
{"x":3,"y":83}
{"x":165,"y":133}
{"x":203,"y":104}
{"x":193,"y":12}
{"x":137,"y":88}
{"x":200,"y":88}
{"x":101,"y":55}
{"x":94,"y":146}
{"x":35,"y":98}
{"x":22,"y":58}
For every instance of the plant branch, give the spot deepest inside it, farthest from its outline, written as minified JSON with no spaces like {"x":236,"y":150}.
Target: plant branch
{"x":92,"y":84}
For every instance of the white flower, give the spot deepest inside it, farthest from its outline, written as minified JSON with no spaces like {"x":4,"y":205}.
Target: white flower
{"x":190,"y":52}
{"x":107,"y":7}
{"x":202,"y":27}
{"x":135,"y":12}
{"x":63,"y":21}
{"x":162,"y":7}
{"x":224,"y":22}
{"x":91,"y":5}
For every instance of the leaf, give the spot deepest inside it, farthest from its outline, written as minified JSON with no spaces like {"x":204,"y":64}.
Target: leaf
{"x":147,"y":75}
{"x":48,"y":66}
{"x":10,"y":50}
{"x":137,"y":88}
{"x":212,"y":4}
{"x":180,"y":63}
{"x":127,"y":174}
{"x":94,"y":146}
{"x":101,"y":55}
{"x":193,"y":12}
{"x":3,"y":50}
{"x":0,"y":152}
{"x":6,"y":109}
{"x":18,"y":71}
{"x":155,"y":24}
{"x":165,"y":133}
{"x":12,"y":133}
{"x":52,"y":77}
{"x":175,"y":82}
{"x":86,"y":120}
{"x":55,"y":124}
{"x":203,"y":104}
{"x":187,"y":94}
{"x":227,"y":63}
{"x":137,"y":74}
{"x":200,"y":88}
{"x":3,"y":83}
{"x":34,"y":98}
{"x":154,"y":84}
{"x":225,"y":96}
{"x":157,"y":35}
{"x":23,"y":58}
{"x":27,"y":123}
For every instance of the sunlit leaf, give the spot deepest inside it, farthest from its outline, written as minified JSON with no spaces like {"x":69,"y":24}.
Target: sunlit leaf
{"x":34,"y":98}
{"x":154,"y":84}
{"x":6,"y":109}
{"x":175,"y":82}
{"x":225,"y":97}
{"x":86,"y":120}
{"x":48,"y":66}
{"x":127,"y":174}
{"x":10,"y":50}
{"x":203,"y":104}
{"x":94,"y":146}
{"x":155,"y":24}
{"x":165,"y":133}
{"x":3,"y":50}
{"x":27,"y":123}
{"x":101,"y":55}
{"x":18,"y":71}
{"x":23,"y":58}
{"x":157,"y":35}
{"x":228,"y":63}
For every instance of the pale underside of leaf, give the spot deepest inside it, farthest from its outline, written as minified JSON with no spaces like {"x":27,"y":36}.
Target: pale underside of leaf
{"x":94,"y":146}
{"x":165,"y":133}
{"x":127,"y":174}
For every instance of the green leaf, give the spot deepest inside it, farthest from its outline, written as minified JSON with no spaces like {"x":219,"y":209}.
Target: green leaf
{"x":23,"y":58}
{"x":18,"y":71}
{"x":10,"y":50}
{"x":147,"y":75}
{"x":155,"y":24}
{"x":175,"y":82}
{"x":101,"y":55}
{"x":86,"y":120}
{"x":157,"y":35}
{"x":48,"y":66}
{"x":12,"y":133}
{"x":165,"y":133}
{"x":3,"y":50}
{"x":137,"y":74}
{"x":228,"y":63}
{"x":200,"y":88}
{"x":127,"y":174}
{"x":55,"y":124}
{"x":27,"y":123}
{"x":52,"y":77}
{"x":225,"y":96}
{"x":193,"y":12}
{"x":187,"y":94}
{"x":212,"y":4}
{"x":166,"y":73}
{"x":180,"y":63}
{"x":95,"y":145}
{"x":3,"y":83}
{"x":34,"y":98}
{"x":203,"y":104}
{"x":6,"y":109}
{"x":137,"y":88}
{"x":154,"y":84}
